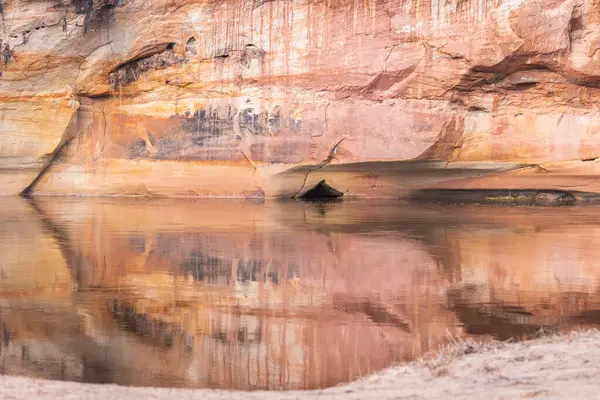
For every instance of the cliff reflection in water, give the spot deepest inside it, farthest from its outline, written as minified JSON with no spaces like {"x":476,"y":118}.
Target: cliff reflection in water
{"x":277,"y":295}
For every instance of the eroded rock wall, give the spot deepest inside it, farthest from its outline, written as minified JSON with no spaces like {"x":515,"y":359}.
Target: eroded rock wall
{"x":265,"y":98}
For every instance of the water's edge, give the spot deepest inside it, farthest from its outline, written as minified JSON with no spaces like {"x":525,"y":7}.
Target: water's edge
{"x":516,"y":370}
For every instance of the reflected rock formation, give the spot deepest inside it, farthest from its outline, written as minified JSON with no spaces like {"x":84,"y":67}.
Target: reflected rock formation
{"x":249,"y":295}
{"x":246,"y":301}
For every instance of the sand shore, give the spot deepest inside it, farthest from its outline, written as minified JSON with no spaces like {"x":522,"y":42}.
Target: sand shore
{"x":556,"y":367}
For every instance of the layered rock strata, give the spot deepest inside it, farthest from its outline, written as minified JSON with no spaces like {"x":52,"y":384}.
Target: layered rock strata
{"x":269,"y":98}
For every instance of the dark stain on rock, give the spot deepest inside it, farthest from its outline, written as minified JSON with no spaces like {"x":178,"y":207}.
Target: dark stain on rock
{"x":209,"y":134}
{"x":203,"y":126}
{"x":138,"y":148}
{"x":130,"y":71}
{"x":96,"y":10}
{"x":205,"y":135}
{"x":7,"y":53}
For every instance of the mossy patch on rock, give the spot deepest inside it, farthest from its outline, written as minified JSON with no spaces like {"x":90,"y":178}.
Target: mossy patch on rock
{"x":539,"y":197}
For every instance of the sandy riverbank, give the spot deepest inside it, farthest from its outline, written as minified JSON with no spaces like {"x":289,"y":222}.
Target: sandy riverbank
{"x":557,"y":367}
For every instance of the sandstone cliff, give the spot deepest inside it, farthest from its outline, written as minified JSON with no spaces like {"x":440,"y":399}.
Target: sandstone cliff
{"x":251,"y":98}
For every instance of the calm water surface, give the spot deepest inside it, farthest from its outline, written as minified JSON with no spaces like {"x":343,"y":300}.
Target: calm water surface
{"x":277,"y":295}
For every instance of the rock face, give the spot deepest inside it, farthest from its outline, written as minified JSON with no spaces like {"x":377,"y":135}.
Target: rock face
{"x":269,"y":98}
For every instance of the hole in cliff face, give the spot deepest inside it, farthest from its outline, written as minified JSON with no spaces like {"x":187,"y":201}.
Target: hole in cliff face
{"x":171,"y":46}
{"x":476,"y":109}
{"x":191,"y":46}
{"x":522,"y":86}
{"x":250,"y":53}
{"x":322,"y":191}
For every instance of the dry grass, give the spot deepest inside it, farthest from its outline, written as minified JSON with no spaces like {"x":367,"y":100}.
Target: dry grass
{"x":457,"y":347}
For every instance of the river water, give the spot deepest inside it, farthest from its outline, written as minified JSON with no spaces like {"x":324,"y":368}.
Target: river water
{"x":277,"y":295}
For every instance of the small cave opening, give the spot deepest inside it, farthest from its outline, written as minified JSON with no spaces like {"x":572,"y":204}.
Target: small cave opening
{"x":476,"y":109}
{"x":191,"y":46}
{"x":322,"y":191}
{"x":171,"y":46}
{"x":522,"y":86}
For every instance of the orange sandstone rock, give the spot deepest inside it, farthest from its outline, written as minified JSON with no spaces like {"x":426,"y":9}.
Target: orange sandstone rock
{"x":227,"y":98}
